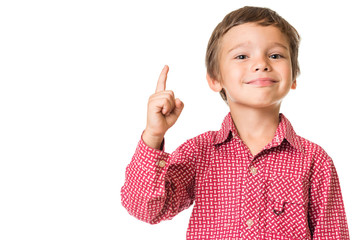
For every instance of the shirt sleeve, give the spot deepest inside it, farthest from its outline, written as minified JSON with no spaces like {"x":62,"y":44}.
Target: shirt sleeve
{"x":327,"y":219}
{"x":159,"y":185}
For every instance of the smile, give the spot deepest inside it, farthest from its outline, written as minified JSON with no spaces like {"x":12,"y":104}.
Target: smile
{"x":263,"y":82}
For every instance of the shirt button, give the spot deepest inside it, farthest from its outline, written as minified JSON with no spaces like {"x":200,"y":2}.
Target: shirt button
{"x":253,"y":170}
{"x":161,"y":163}
{"x":249,"y":222}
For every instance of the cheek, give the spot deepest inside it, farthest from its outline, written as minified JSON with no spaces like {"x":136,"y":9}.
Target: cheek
{"x":234,"y":72}
{"x":286,"y":70}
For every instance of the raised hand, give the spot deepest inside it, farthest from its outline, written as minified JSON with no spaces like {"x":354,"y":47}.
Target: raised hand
{"x":163,"y":111}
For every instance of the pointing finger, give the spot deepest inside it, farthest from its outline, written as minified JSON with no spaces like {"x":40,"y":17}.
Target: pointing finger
{"x":161,"y":84}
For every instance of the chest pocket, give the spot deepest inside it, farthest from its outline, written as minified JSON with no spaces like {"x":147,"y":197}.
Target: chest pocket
{"x":287,"y":207}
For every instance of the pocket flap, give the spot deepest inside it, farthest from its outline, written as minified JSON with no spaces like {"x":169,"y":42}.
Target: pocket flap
{"x":283,"y":189}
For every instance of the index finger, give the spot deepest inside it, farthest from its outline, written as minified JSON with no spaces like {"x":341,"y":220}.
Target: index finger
{"x":161,"y":84}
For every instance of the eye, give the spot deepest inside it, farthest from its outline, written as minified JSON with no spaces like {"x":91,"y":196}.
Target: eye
{"x":241,"y":57}
{"x":275,"y":56}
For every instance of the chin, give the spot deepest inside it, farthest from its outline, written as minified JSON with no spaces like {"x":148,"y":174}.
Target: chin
{"x":257,"y":104}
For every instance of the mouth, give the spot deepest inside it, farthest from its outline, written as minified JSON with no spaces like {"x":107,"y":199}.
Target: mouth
{"x":262,"y":82}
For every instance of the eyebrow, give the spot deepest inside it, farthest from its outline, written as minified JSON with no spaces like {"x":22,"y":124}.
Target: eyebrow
{"x":238,"y":46}
{"x":275,"y":44}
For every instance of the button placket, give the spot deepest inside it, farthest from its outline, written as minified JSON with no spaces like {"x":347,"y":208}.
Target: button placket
{"x":161,"y":163}
{"x":250,"y":223}
{"x":253,"y":170}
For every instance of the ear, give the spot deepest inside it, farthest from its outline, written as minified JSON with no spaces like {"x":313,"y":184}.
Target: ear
{"x":214,"y":84}
{"x":293,"y":85}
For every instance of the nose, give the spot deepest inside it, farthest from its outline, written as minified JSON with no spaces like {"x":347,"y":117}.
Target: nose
{"x":260,"y":65}
{"x":261,"y":68}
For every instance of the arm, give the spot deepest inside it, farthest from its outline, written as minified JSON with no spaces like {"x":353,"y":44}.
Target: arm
{"x":159,"y":185}
{"x":327,"y":218}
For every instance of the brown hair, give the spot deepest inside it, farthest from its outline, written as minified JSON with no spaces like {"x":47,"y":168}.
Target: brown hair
{"x":262,"y":16}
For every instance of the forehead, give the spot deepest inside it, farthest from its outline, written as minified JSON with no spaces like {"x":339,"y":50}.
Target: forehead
{"x":253,"y":35}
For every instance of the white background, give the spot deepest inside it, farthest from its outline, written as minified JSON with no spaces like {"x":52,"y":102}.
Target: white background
{"x":75,"y":80}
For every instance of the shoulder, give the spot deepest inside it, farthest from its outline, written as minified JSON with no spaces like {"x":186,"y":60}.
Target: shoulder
{"x":313,"y":150}
{"x":203,"y":140}
{"x":318,"y":159}
{"x":206,"y":141}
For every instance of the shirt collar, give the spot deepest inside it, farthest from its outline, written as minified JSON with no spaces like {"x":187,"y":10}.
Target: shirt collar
{"x":283,"y":131}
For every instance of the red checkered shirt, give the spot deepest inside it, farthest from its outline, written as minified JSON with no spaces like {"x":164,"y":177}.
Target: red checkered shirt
{"x":289,"y":190}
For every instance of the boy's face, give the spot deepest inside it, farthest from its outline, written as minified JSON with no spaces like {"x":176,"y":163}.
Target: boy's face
{"x":255,"y":66}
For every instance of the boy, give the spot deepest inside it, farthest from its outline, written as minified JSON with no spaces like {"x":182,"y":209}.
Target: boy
{"x":254,"y":178}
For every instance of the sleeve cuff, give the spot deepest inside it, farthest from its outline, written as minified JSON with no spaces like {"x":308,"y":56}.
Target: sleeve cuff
{"x":150,"y":156}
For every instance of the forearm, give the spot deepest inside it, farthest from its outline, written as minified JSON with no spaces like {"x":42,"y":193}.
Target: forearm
{"x":143,"y":193}
{"x":157,"y":183}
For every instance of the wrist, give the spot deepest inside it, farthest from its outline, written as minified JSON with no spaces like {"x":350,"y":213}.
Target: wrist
{"x":152,"y":140}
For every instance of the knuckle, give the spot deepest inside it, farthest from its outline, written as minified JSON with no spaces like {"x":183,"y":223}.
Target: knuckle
{"x":153,"y":95}
{"x":167,"y":96}
{"x":171,"y":93}
{"x":151,"y":99}
{"x":169,"y":104}
{"x":168,"y":101}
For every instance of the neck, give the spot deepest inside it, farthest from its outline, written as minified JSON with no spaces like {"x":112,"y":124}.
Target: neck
{"x":255,"y":123}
